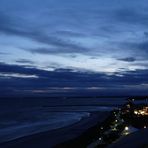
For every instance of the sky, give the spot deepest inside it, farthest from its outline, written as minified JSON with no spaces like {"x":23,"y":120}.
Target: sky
{"x":55,"y":47}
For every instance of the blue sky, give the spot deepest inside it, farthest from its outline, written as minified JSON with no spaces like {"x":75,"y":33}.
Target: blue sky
{"x":102,"y":43}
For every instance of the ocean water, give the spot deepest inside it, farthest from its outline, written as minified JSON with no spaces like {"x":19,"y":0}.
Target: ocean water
{"x":21,"y":117}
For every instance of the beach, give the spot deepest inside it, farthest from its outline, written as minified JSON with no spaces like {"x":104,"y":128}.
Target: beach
{"x":48,"y":121}
{"x":54,"y":137}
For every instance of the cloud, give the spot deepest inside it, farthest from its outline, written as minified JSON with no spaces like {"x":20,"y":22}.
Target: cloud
{"x":69,"y":33}
{"x":23,"y":78}
{"x":146,"y":34}
{"x":59,"y":44}
{"x":53,"y":50}
{"x":87,"y":35}
{"x":128,"y":59}
{"x":131,"y":16}
{"x":138,"y":48}
{"x":8,"y":27}
{"x":3,"y":53}
{"x":16,"y":75}
{"x":142,"y":46}
{"x":24,"y":61}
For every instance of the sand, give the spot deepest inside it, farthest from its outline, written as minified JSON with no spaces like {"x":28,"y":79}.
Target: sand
{"x":52,"y":138}
{"x":137,"y":139}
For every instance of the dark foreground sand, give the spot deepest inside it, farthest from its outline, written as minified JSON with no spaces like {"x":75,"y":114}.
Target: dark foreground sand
{"x":137,"y":139}
{"x":52,"y":138}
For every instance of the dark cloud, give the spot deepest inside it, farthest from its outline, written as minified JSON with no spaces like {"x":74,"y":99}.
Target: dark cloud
{"x":96,"y":29}
{"x":68,"y":78}
{"x":69,"y":33}
{"x":128,"y":59}
{"x":72,"y":56}
{"x":146,"y":34}
{"x":3,"y":53}
{"x":59,"y":44}
{"x":57,"y":50}
{"x":142,"y":46}
{"x":136,"y":50}
{"x":24,"y":61}
{"x":139,"y":48}
{"x":8,"y":27}
{"x":131,"y":16}
{"x":94,"y":57}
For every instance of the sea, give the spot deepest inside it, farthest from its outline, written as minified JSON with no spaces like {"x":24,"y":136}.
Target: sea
{"x":20,"y":117}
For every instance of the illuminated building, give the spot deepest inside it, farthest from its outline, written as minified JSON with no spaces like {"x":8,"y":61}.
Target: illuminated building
{"x":143,"y":111}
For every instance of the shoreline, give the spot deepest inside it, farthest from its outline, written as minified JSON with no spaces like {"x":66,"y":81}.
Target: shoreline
{"x":87,"y":137}
{"x":55,"y":137}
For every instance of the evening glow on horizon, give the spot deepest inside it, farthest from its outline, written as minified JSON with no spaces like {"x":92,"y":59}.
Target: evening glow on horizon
{"x":53,"y":46}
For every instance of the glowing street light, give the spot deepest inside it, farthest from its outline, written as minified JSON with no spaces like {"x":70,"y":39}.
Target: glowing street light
{"x":135,"y":112}
{"x":126,"y":128}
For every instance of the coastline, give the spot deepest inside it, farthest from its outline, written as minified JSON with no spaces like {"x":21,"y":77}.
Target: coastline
{"x":55,"y":137}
